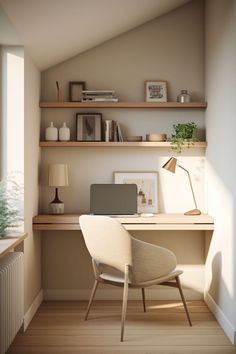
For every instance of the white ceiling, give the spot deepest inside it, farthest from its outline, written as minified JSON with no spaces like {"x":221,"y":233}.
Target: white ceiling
{"x":56,"y":30}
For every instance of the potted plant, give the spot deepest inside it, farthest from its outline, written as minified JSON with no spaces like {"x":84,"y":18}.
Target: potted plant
{"x":185,"y":135}
{"x":10,"y":197}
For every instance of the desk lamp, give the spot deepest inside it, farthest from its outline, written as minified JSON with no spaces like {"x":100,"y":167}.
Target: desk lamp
{"x":57,"y":177}
{"x":170,"y":165}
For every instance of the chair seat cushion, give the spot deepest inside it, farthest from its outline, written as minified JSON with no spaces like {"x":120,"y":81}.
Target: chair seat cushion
{"x":119,"y":279}
{"x":112,"y":278}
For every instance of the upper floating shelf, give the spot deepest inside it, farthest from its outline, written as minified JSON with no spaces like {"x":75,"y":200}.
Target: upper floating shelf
{"x":201,"y":105}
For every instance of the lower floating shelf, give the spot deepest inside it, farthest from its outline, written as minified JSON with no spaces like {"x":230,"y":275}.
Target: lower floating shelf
{"x":159,"y":144}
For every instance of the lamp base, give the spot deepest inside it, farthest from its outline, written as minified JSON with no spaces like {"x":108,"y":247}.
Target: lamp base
{"x":56,"y":208}
{"x":193,"y":212}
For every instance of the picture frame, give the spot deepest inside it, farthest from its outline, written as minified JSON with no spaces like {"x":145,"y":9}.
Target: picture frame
{"x":147,"y":184}
{"x":88,"y":126}
{"x":75,"y":91}
{"x":155,"y":91}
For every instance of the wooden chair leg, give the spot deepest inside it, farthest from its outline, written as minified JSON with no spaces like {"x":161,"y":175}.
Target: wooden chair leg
{"x":143,"y":297}
{"x":183,"y":299}
{"x":91,"y":298}
{"x":124,"y":305}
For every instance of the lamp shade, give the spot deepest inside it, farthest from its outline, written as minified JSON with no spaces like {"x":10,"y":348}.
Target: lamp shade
{"x":58,"y":175}
{"x":170,"y":165}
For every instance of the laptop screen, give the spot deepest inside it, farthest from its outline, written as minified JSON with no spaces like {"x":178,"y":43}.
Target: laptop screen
{"x":113,"y":199}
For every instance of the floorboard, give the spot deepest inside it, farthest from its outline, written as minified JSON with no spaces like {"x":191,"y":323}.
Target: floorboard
{"x":59,"y":327}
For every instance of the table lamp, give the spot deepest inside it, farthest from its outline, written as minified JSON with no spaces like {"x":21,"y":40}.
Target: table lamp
{"x":170,"y":165}
{"x":57,"y":177}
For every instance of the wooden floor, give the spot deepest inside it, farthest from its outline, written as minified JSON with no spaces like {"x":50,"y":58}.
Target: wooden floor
{"x":58,"y":327}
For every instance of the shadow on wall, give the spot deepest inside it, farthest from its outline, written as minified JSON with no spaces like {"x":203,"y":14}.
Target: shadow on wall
{"x":221,"y":204}
{"x":216,"y":268}
{"x":218,"y":289}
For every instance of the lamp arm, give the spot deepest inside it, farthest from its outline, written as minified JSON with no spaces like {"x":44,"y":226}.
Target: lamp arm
{"x":190,"y":184}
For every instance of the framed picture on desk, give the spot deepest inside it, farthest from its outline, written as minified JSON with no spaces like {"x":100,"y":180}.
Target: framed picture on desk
{"x":147,"y":183}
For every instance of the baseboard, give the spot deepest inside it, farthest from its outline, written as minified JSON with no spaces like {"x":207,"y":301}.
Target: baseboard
{"x":116,"y":294}
{"x":32,"y":309}
{"x":226,"y":325}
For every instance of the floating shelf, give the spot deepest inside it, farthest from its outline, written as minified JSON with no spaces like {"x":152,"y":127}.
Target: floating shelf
{"x":134,"y":105}
{"x":166,"y":144}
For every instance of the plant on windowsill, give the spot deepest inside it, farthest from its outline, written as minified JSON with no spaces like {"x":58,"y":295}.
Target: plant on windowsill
{"x":185,"y":136}
{"x":10,"y":198}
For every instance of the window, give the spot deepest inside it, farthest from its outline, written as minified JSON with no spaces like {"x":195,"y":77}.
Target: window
{"x":12,"y":114}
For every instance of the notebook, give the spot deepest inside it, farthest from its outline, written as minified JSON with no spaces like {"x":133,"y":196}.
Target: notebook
{"x":113,"y":199}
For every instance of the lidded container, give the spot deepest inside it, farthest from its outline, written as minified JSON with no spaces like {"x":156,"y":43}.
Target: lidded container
{"x":184,"y":96}
{"x":51,"y":133}
{"x":64,"y":133}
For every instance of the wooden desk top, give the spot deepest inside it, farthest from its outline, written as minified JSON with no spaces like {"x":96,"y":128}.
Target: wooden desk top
{"x":10,"y":242}
{"x":156,"y":222}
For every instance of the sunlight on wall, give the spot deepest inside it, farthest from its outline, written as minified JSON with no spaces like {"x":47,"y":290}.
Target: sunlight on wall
{"x":175,"y":188}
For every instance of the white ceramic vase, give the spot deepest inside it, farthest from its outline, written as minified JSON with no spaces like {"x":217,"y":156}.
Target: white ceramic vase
{"x":64,"y":133}
{"x":51,"y":133}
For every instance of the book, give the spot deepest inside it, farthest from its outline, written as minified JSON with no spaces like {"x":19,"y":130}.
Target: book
{"x":99,"y":96}
{"x":115,"y":131}
{"x":98,"y":93}
{"x":99,"y":99}
{"x":120,"y":136}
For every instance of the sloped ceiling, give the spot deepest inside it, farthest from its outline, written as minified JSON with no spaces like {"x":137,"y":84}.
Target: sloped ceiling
{"x":56,"y":30}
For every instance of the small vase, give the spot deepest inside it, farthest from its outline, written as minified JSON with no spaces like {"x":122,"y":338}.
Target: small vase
{"x":51,"y":133}
{"x":64,"y":133}
{"x":184,"y":97}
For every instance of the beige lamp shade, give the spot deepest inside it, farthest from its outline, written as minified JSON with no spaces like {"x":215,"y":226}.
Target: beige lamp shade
{"x":170,"y":165}
{"x":58,"y":175}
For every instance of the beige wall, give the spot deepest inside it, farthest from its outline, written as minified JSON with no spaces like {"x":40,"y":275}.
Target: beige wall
{"x":32,"y":157}
{"x":221,"y":172}
{"x":168,"y":48}
{"x":8,"y":34}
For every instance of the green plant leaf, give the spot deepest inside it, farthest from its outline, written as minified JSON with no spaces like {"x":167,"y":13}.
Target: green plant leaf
{"x":185,"y":135}
{"x":10,"y":213}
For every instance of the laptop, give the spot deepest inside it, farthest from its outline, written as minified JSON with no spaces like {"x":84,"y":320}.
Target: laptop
{"x":118,"y":200}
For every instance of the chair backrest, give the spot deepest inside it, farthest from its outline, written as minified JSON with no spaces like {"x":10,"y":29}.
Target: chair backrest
{"x":107,"y":241}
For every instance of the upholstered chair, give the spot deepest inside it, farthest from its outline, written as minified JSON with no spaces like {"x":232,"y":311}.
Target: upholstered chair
{"x":140,"y":264}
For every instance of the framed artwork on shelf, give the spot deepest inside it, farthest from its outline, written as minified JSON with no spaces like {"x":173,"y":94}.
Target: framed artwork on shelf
{"x":147,"y":184}
{"x":75,"y":90}
{"x":155,"y":91}
{"x":89,"y":126}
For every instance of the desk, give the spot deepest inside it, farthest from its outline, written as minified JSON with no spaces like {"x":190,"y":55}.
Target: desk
{"x":68,"y":222}
{"x":188,"y":237}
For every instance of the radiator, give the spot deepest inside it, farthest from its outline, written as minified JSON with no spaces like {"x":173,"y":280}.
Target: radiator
{"x":11,"y":298}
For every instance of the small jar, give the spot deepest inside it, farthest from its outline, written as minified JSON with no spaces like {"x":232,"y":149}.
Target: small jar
{"x":64,"y":133}
{"x":51,"y":133}
{"x":184,"y":97}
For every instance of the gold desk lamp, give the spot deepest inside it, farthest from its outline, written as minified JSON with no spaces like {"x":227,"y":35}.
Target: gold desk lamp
{"x":170,"y":165}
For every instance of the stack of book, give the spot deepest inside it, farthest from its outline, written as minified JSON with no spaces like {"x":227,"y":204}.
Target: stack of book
{"x":112,"y":131}
{"x":99,"y":96}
